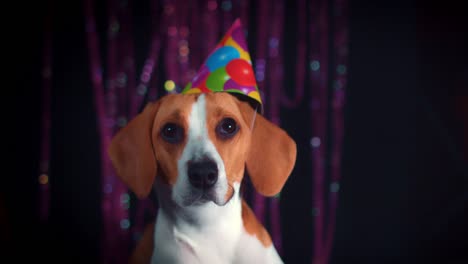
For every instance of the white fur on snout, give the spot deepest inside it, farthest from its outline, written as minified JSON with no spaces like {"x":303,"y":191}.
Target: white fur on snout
{"x":199,"y":146}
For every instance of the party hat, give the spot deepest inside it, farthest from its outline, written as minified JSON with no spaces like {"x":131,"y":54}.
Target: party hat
{"x":228,"y":68}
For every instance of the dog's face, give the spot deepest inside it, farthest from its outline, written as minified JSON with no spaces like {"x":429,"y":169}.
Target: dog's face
{"x":200,"y":145}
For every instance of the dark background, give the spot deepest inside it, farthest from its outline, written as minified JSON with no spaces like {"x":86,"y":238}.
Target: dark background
{"x":404,"y":189}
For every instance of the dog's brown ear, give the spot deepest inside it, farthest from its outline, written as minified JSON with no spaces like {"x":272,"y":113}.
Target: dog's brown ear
{"x":131,"y":152}
{"x":271,"y":155}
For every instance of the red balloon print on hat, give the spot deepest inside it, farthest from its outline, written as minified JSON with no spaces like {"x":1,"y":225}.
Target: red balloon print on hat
{"x":241,"y":72}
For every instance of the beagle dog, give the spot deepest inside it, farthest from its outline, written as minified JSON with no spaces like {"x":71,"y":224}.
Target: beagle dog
{"x":194,"y":149}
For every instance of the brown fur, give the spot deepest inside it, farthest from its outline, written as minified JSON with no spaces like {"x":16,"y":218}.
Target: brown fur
{"x":253,"y":226}
{"x":144,"y":249}
{"x":132,"y":155}
{"x":271,"y":155}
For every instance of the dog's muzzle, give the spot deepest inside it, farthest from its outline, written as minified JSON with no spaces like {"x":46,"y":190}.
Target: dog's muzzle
{"x":203,"y":176}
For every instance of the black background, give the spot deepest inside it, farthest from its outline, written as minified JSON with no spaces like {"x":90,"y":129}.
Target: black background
{"x":404,"y":190}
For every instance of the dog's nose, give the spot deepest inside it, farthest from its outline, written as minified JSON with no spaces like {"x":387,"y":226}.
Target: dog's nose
{"x":203,"y":174}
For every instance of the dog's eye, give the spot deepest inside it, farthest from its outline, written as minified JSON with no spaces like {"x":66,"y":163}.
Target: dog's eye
{"x":172,"y":133}
{"x":227,"y":128}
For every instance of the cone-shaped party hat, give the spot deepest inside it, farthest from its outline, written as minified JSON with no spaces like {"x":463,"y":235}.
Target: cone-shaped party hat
{"x":228,"y":69}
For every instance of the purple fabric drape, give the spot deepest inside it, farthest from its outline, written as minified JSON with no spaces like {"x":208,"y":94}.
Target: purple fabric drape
{"x":185,"y":34}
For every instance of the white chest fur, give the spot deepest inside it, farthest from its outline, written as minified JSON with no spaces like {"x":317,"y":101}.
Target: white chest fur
{"x":210,"y":235}
{"x":222,"y":240}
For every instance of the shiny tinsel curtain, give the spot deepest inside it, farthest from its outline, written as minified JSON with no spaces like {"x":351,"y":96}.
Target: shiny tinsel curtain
{"x":182,"y":35}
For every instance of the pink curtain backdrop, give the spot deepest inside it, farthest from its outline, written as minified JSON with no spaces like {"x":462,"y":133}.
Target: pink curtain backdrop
{"x":182,"y":36}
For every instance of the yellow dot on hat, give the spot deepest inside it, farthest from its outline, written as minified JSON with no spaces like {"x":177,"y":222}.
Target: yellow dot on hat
{"x":255,"y":95}
{"x":193,"y":91}
{"x":169,"y":85}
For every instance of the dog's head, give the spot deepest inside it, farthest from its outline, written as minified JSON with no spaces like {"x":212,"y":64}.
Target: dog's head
{"x":200,"y":145}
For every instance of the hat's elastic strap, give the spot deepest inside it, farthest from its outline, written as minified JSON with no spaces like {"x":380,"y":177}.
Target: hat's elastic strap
{"x":253,"y":119}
